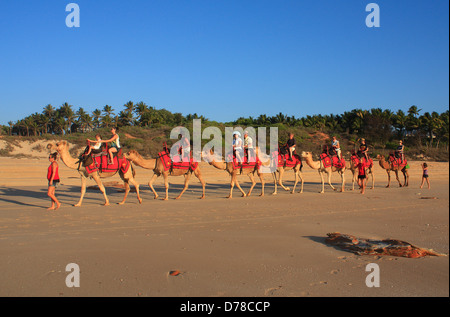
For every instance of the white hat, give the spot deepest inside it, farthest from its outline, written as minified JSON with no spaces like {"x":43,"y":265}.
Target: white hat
{"x":236,"y":132}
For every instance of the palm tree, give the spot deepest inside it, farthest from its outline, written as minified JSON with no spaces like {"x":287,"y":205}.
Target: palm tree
{"x":107,"y":118}
{"x":68,"y":113}
{"x":413,"y":111}
{"x":140,"y":109}
{"x":84,"y":119}
{"x":399,"y":123}
{"x":11,"y":125}
{"x":125,"y":118}
{"x":60,"y":124}
{"x":96,"y":116}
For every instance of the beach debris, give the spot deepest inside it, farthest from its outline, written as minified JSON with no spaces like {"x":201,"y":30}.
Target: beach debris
{"x":428,"y":197}
{"x":389,"y":247}
{"x":174,"y":273}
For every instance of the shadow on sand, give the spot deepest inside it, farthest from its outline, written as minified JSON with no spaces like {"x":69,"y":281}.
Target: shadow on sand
{"x":321,"y":240}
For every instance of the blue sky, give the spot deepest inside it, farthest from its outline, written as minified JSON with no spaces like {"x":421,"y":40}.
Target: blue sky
{"x":224,"y":58}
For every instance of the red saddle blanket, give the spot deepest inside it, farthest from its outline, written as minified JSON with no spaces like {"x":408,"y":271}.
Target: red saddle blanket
{"x":397,"y":162}
{"x":102,"y":165}
{"x":285,"y":160}
{"x":356,"y":160}
{"x":328,"y":161}
{"x":177,"y":162}
{"x":247,"y":163}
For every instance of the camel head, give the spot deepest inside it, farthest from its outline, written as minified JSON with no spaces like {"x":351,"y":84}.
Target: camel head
{"x":381,"y":157}
{"x":60,"y":146}
{"x":208,"y":156}
{"x":212,"y":157}
{"x":306,"y":154}
{"x":132,"y":155}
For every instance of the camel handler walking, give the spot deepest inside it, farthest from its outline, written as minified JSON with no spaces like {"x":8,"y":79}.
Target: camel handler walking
{"x":53,"y":180}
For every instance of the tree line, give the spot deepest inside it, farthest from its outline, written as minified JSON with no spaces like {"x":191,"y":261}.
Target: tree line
{"x":378,"y":125}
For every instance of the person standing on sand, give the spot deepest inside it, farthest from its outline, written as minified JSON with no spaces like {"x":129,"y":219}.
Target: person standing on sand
{"x":425,"y":175}
{"x":362,"y":177}
{"x":53,"y":180}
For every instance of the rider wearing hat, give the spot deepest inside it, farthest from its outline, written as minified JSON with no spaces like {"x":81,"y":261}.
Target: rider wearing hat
{"x":237,"y":146}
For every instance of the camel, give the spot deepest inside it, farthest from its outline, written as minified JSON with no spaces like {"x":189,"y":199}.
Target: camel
{"x":62,"y":148}
{"x":318,"y":165}
{"x":298,"y":175}
{"x":354,"y":168}
{"x":389,"y":167}
{"x":219,"y":163}
{"x":158,"y":169}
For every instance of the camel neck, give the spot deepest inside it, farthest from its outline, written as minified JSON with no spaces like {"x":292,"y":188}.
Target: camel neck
{"x":68,"y":160}
{"x":311,"y":163}
{"x":147,"y":164}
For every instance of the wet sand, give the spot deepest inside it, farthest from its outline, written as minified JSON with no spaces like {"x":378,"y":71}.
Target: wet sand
{"x":255,"y":246}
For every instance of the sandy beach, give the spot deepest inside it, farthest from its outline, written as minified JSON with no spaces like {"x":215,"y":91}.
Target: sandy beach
{"x":271,"y":246}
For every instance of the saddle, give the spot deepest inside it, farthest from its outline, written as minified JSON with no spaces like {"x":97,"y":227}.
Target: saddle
{"x":248,"y":161}
{"x":283,"y":159}
{"x":397,"y":161}
{"x":178,"y":162}
{"x":100,"y":161}
{"x":331,"y":160}
{"x":356,"y":160}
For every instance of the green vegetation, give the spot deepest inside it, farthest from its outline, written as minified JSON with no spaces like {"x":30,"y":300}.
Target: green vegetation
{"x":145,"y":128}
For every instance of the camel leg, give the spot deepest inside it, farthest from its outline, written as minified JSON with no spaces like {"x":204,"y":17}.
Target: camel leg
{"x":261,"y":178}
{"x":296,"y":181}
{"x":280,"y":180}
{"x":329,"y":180}
{"x":389,"y":178}
{"x":83,"y":191}
{"x":127,"y":190}
{"x":136,"y":186}
{"x":233,"y":179}
{"x":406,"y":175}
{"x":353,"y":179}
{"x":239,"y":186}
{"x":187,"y":176}
{"x":343,"y":181}
{"x":155,"y":176}
{"x":198,"y":174}
{"x":373,"y":179}
{"x":398,"y":180}
{"x":301,"y":179}
{"x":166,"y":185}
{"x":323,"y":184}
{"x":274,"y":175}
{"x":102,"y":188}
{"x":252,"y":178}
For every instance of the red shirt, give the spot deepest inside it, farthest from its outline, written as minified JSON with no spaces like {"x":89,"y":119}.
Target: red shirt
{"x":361,"y":169}
{"x":50,"y":172}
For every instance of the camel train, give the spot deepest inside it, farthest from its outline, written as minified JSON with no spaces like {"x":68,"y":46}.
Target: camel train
{"x":98,"y":167}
